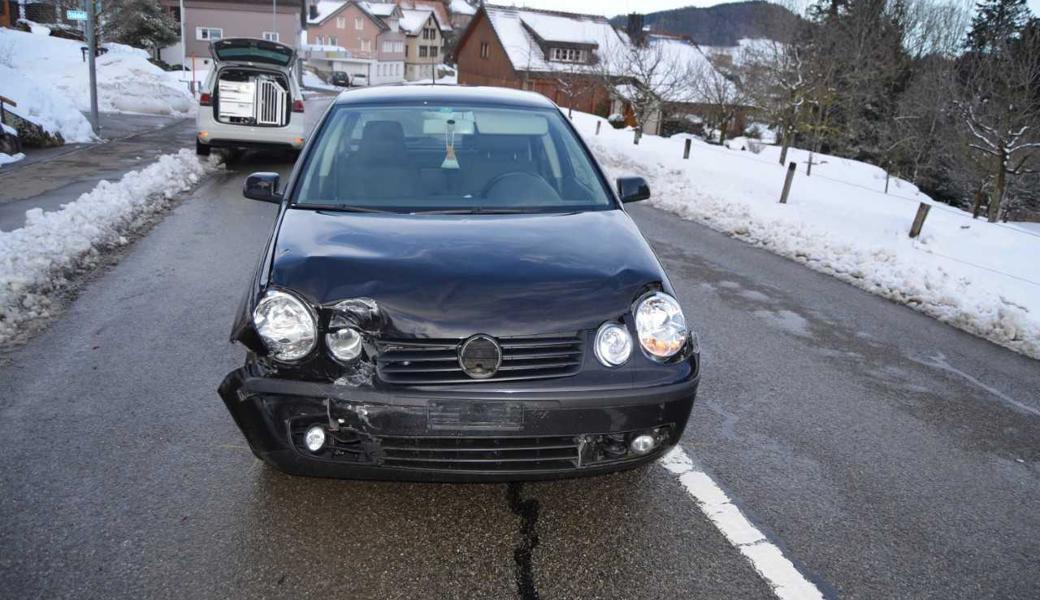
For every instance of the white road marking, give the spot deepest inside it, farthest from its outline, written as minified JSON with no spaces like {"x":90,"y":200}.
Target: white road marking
{"x":779,"y":572}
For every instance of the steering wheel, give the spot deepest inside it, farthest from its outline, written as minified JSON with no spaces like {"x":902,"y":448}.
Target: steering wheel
{"x":520,"y":187}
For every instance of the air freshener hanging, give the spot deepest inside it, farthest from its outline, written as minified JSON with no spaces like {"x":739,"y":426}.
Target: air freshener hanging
{"x":450,"y":162}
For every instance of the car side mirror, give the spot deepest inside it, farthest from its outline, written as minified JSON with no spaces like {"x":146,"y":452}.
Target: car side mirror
{"x":262,"y":187}
{"x":632,"y":189}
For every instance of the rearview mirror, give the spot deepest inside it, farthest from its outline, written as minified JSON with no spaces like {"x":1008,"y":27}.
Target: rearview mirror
{"x":262,"y":187}
{"x":632,"y":189}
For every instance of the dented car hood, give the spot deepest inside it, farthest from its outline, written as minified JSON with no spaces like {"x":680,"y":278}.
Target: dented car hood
{"x":450,"y":276}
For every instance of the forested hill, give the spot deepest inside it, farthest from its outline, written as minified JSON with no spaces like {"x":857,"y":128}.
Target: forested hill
{"x":721,"y":25}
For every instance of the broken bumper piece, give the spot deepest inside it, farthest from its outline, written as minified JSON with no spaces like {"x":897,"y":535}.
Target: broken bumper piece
{"x":454,"y":436}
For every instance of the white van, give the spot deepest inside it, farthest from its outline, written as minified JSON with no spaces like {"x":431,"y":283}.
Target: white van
{"x":250,"y":98}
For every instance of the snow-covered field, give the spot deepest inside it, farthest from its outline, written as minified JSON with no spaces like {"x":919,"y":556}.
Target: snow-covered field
{"x":36,"y":260}
{"x":983,"y":278}
{"x":49,"y":80}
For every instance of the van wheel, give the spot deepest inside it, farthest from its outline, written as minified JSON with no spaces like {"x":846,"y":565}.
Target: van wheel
{"x":201,"y":149}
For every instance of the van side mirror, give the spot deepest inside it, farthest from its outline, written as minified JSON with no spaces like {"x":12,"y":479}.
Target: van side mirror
{"x":262,"y":187}
{"x":632,"y":189}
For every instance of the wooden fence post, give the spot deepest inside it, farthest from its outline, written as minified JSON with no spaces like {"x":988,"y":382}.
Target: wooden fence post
{"x":598,"y":123}
{"x":887,"y":176}
{"x":686,"y":150}
{"x":787,"y":182}
{"x":635,"y":138}
{"x":922,"y":214}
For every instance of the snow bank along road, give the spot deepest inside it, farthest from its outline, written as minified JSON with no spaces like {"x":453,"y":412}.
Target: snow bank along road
{"x":884,"y":453}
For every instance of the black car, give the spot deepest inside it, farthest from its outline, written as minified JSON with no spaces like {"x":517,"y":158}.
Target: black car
{"x":453,"y":291}
{"x":340,"y":79}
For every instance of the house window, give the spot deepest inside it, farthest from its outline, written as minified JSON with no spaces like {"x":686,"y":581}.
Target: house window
{"x":434,"y":50}
{"x":271,"y":36}
{"x":333,"y":40}
{"x":366,"y":45}
{"x":423,"y":50}
{"x":208,"y":33}
{"x":388,"y":46}
{"x":406,"y":51}
{"x":484,"y":50}
{"x":568,"y":55}
{"x":429,"y":33}
{"x":341,"y":22}
{"x":398,"y":46}
{"x":359,"y":23}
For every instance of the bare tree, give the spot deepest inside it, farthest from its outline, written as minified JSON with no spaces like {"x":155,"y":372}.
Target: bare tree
{"x":777,"y":80}
{"x":1000,"y":108}
{"x":647,"y":76}
{"x":718,"y":82}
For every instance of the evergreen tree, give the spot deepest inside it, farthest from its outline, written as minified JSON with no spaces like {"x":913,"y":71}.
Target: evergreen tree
{"x":995,"y":23}
{"x":140,"y":23}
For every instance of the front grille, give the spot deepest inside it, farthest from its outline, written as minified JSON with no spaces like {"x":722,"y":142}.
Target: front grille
{"x":415,"y":362}
{"x":481,"y":453}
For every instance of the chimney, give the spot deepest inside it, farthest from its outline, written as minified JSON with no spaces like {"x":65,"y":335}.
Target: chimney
{"x":313,"y":11}
{"x":634,"y":28}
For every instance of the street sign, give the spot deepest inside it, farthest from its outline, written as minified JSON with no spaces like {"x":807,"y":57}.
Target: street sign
{"x":76,"y":15}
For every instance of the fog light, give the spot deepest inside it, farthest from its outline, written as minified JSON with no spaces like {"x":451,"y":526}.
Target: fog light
{"x":314,"y":439}
{"x":642,"y":444}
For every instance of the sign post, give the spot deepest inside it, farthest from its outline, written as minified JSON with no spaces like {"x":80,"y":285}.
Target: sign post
{"x":91,"y":53}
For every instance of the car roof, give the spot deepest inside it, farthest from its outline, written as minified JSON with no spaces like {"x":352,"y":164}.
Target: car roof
{"x":444,"y":94}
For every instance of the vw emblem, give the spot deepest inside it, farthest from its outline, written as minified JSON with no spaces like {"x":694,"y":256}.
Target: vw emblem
{"x":480,"y":357}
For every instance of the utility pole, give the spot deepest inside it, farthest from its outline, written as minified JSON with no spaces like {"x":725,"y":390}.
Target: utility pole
{"x":184,"y":49}
{"x":91,"y":52}
{"x":274,"y":17}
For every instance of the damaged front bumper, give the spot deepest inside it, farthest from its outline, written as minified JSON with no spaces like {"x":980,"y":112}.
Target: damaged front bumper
{"x":440,"y":435}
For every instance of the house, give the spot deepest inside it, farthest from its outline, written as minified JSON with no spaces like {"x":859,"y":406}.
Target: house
{"x":208,"y":20}
{"x":357,"y":37}
{"x":566,"y":57}
{"x":462,"y":12}
{"x":424,"y":46}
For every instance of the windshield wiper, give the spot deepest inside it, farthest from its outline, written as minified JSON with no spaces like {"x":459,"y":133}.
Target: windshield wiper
{"x":476,"y":210}
{"x":341,"y":208}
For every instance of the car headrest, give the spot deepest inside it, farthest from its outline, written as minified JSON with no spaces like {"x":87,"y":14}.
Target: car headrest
{"x":381,"y":140}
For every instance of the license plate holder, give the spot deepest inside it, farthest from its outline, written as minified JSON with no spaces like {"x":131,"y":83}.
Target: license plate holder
{"x":475,"y":415}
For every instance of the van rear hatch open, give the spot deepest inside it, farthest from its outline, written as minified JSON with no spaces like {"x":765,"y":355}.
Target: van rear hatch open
{"x":252,"y":51}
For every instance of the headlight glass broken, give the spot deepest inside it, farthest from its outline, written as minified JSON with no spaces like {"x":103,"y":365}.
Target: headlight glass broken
{"x":661,"y":325}
{"x":286,"y":325}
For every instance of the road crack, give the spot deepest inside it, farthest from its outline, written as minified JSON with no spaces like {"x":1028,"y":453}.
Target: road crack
{"x":527,"y":510}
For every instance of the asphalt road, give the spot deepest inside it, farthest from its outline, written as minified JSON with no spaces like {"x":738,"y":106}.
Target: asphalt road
{"x":887,"y":454}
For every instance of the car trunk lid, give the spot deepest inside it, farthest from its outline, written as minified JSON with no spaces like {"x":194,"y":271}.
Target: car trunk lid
{"x":252,"y":52}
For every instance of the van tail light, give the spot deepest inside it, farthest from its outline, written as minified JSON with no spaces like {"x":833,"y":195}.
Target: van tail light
{"x":297,"y":106}
{"x":205,"y":99}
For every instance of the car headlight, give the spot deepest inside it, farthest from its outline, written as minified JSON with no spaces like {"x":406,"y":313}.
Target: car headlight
{"x":613,"y":344}
{"x":344,"y":344}
{"x":286,"y":325}
{"x":661,"y":325}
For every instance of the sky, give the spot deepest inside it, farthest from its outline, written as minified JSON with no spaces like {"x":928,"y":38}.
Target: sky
{"x":611,"y":8}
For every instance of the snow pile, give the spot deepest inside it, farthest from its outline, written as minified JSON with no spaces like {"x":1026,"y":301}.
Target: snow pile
{"x":7,"y":158}
{"x":127,"y":82}
{"x":981,"y":277}
{"x":44,"y":105}
{"x":36,"y":260}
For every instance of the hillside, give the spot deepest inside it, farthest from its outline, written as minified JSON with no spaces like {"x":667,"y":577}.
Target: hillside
{"x":721,"y":25}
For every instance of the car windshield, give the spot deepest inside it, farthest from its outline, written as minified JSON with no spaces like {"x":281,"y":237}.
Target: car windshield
{"x":466,"y":159}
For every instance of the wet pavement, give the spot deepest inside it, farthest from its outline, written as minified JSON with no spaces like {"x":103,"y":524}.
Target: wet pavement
{"x":875,"y":446}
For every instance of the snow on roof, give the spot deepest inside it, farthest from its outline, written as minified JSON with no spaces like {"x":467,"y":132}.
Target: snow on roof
{"x":379,"y":9}
{"x":524,"y":52}
{"x":325,"y":10}
{"x":461,"y":7}
{"x":578,"y":29}
{"x":414,"y":18}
